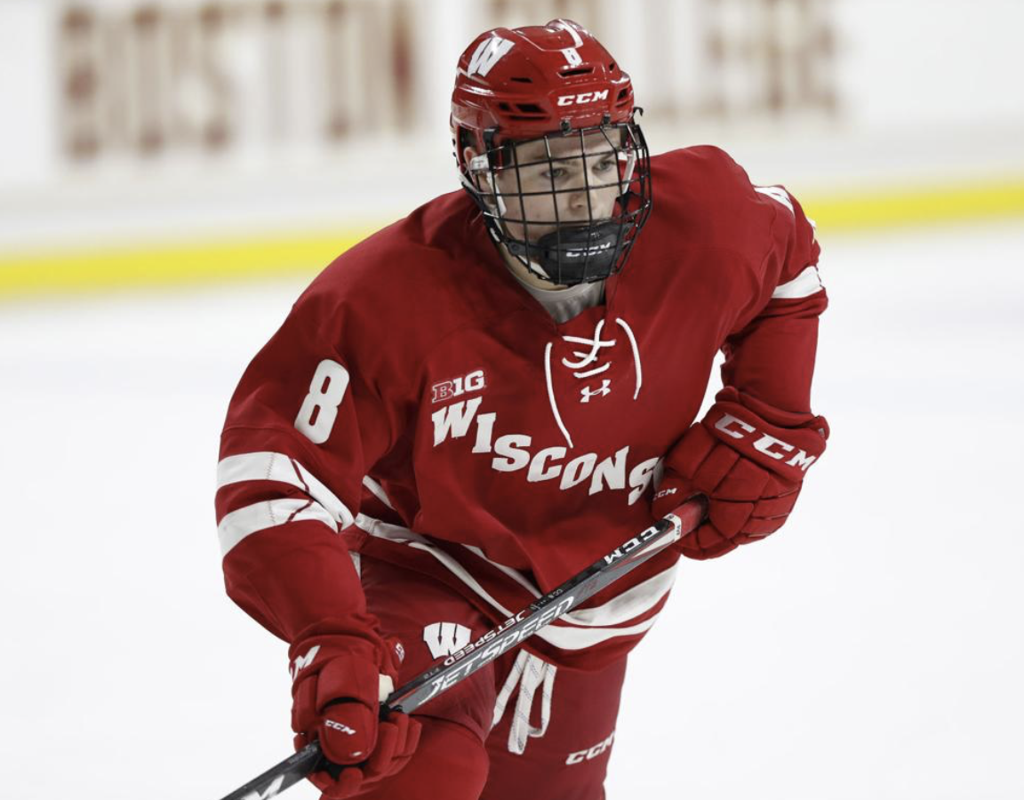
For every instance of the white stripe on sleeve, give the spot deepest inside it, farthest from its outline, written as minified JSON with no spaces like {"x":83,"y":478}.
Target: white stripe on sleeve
{"x":776,"y":193}
{"x":268,"y":466}
{"x":377,"y":491}
{"x":805,"y":284}
{"x":581,"y":638}
{"x":623,"y":607}
{"x":268,"y":514}
{"x":630,"y":604}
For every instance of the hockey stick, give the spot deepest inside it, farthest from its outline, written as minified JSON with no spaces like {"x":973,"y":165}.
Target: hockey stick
{"x":541,"y":612}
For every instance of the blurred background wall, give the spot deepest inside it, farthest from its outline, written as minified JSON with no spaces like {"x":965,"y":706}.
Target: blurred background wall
{"x":175,"y":142}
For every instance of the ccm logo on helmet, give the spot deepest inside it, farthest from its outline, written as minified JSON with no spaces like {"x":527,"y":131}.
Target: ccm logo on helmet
{"x":738,"y":429}
{"x":585,"y":97}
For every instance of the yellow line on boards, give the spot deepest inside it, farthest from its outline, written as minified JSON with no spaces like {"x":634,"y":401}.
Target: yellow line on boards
{"x":866,"y":211}
{"x":65,"y":271}
{"x":156,"y":264}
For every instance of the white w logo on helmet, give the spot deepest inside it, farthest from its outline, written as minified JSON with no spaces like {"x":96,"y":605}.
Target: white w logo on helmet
{"x":445,"y":638}
{"x":487,"y":54}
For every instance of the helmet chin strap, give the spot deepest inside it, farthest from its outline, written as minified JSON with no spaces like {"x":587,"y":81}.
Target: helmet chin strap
{"x":532,"y":267}
{"x":574,"y":255}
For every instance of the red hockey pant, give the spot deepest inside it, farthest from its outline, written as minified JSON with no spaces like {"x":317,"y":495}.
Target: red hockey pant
{"x":460,"y":756}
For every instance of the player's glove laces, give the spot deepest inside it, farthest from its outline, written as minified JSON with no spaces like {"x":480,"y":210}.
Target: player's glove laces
{"x":750,"y":470}
{"x":337,"y":686}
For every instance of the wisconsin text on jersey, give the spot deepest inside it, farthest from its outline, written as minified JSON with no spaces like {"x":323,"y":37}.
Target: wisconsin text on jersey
{"x":515,"y":451}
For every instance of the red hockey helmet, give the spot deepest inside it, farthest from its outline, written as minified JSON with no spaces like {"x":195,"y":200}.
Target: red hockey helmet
{"x":545,"y":83}
{"x":527,"y":82}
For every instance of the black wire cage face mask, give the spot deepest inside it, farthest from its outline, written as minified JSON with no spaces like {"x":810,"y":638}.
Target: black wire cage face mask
{"x":569,"y":205}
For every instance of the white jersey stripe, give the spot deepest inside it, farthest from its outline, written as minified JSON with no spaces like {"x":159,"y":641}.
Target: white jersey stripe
{"x":805,"y":284}
{"x":778,"y":194}
{"x":514,"y":574}
{"x":626,"y":606}
{"x":377,"y":491}
{"x":582,"y":638}
{"x":630,"y":604}
{"x":269,"y":466}
{"x":254,"y":467}
{"x":268,"y":514}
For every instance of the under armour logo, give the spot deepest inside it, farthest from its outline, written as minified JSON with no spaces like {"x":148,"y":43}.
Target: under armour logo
{"x":445,"y":638}
{"x":302,"y":662}
{"x":586,"y":392}
{"x":585,"y":358}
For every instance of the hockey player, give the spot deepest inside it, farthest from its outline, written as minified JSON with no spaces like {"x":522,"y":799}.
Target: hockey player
{"x":483,"y":398}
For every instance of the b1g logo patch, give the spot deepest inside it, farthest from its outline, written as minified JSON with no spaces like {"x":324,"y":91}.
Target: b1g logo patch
{"x":446,"y":390}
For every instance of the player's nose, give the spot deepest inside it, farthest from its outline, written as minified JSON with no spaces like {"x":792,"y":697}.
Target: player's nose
{"x":590,"y":202}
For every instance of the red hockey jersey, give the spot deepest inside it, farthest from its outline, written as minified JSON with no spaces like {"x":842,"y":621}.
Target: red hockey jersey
{"x":419,"y":406}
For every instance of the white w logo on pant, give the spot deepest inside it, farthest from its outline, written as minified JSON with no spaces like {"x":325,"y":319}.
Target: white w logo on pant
{"x":445,"y":638}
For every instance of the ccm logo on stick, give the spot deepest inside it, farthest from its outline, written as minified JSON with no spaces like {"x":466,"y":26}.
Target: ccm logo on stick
{"x":584,"y":97}
{"x":736,"y":428}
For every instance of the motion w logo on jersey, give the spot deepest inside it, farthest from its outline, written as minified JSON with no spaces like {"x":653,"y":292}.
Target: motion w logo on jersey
{"x":445,"y":638}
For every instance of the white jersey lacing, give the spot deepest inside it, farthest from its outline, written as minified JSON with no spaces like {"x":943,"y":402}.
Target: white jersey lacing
{"x":585,"y":359}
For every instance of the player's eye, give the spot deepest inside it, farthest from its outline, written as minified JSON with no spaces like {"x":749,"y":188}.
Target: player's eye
{"x":555,"y":173}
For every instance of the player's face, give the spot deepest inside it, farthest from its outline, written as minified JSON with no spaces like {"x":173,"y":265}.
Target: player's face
{"x":577,"y":185}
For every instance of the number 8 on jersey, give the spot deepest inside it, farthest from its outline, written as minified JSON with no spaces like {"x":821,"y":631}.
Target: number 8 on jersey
{"x":320,"y":408}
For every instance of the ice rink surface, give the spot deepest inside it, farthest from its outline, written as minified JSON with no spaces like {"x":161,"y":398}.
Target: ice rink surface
{"x":871,"y":649}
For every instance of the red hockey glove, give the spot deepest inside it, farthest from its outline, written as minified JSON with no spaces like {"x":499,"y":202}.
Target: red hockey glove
{"x":750,"y":470}
{"x":336,"y":691}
